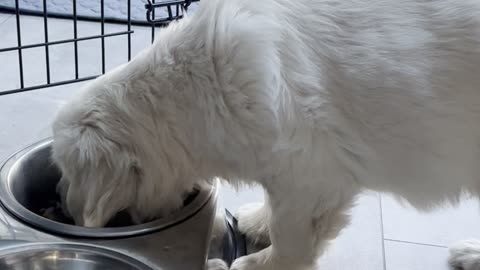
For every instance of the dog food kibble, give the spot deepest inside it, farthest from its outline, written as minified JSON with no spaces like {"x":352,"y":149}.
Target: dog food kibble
{"x":55,"y":213}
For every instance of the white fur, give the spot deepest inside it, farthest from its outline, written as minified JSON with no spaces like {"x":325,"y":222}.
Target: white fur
{"x":315,"y":100}
{"x":465,"y":255}
{"x":252,"y":222}
{"x":216,"y":264}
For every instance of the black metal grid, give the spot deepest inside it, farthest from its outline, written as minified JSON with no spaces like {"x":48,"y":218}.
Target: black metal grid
{"x":180,"y":7}
{"x":175,"y":10}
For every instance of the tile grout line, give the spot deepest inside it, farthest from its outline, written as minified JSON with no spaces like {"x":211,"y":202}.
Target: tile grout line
{"x":382,"y":232}
{"x":5,"y":20}
{"x":414,"y":243}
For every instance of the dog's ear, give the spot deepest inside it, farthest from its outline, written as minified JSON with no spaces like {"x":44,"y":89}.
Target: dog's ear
{"x":112,"y":184}
{"x":102,"y":176}
{"x":104,"y":201}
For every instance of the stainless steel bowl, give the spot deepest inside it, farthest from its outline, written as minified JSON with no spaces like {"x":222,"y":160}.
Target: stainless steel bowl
{"x":63,"y":256}
{"x":27,"y":184}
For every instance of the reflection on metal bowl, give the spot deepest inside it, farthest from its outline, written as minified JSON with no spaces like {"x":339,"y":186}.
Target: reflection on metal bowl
{"x":62,"y":256}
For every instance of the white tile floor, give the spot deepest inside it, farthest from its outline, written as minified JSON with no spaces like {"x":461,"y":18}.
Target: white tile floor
{"x":4,"y":17}
{"x":383,"y":235}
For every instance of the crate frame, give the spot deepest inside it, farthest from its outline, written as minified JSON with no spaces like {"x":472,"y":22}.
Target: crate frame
{"x":175,"y":10}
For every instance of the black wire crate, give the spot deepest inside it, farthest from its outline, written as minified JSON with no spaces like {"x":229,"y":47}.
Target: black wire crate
{"x":43,"y":47}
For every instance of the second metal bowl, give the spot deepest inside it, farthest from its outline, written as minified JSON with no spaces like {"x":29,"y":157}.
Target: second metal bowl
{"x":63,"y":256}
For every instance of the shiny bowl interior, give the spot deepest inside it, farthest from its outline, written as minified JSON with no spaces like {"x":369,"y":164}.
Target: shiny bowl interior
{"x":28,"y":182}
{"x":34,"y":188}
{"x":53,"y":256}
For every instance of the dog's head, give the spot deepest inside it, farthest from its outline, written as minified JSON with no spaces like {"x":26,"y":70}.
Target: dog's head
{"x":99,"y":175}
{"x":108,"y":166}
{"x":121,"y":147}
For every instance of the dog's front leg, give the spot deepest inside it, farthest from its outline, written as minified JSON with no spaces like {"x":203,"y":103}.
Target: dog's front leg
{"x":291,"y":233}
{"x":300,"y":226}
{"x":292,"y":236}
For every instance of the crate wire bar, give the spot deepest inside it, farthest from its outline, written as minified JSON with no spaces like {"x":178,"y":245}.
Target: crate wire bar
{"x":75,"y":37}
{"x":45,"y":26}
{"x":19,"y":43}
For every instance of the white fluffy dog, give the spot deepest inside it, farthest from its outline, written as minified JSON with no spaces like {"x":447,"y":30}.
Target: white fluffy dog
{"x":315,"y":100}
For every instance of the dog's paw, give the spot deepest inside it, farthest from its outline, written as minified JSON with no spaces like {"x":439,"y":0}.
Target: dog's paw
{"x":252,"y":221}
{"x":255,"y":261}
{"x":216,"y":264}
{"x":265,"y":260}
{"x":465,"y":255}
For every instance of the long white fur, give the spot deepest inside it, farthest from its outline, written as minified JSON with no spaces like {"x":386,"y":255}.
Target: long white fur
{"x":315,"y":100}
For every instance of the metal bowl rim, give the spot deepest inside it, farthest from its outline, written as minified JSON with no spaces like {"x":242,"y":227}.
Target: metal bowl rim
{"x":8,"y":201}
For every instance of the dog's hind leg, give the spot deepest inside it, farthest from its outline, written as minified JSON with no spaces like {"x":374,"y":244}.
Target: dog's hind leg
{"x":465,"y":255}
